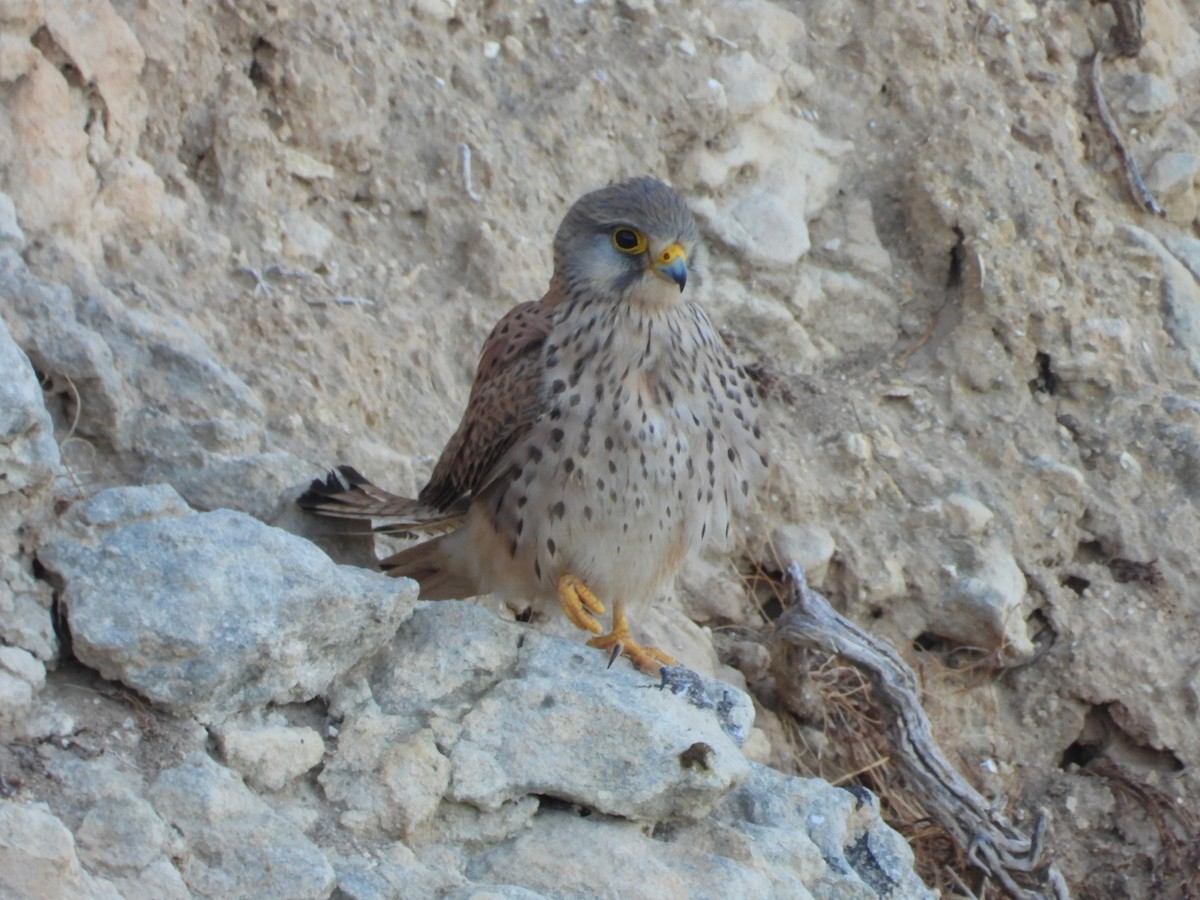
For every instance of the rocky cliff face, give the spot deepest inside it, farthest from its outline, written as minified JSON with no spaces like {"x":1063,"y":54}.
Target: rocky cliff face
{"x":241,"y":242}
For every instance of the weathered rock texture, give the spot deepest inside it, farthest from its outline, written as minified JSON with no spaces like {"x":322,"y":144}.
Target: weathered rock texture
{"x":240,"y":242}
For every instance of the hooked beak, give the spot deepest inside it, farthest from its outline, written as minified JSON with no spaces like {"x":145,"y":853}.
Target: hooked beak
{"x":670,"y":264}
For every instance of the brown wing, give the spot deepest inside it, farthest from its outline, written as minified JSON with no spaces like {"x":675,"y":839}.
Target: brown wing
{"x":506,"y":399}
{"x":345,"y":494}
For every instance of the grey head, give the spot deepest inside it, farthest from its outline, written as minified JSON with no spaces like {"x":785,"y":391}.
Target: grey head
{"x":633,"y":241}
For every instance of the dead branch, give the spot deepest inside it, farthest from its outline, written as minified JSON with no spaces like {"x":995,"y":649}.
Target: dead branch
{"x":990,"y":840}
{"x":1141,"y":193}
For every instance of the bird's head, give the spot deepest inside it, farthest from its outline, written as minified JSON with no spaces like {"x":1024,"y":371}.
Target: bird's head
{"x":634,"y":242}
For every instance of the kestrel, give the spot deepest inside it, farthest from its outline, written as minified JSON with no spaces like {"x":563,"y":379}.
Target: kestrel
{"x":608,"y":434}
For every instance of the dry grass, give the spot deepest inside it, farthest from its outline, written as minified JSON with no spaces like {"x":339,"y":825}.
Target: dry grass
{"x":835,"y":732}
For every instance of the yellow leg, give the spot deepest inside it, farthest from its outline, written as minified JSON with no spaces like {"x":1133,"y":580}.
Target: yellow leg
{"x":619,"y":642}
{"x":579,"y":604}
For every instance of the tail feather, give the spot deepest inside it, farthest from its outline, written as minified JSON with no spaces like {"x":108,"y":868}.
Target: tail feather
{"x":431,"y":566}
{"x":345,"y":494}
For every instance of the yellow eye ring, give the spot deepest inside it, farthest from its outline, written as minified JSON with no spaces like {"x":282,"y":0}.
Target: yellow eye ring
{"x":629,"y":241}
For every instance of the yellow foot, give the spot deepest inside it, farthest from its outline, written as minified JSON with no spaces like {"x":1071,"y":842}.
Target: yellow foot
{"x":579,"y":604}
{"x":619,"y":642}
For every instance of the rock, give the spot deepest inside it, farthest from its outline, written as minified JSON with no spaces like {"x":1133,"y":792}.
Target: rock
{"x":230,"y":613}
{"x":394,"y":871}
{"x":158,"y":881}
{"x":12,"y":238}
{"x":390,"y":777}
{"x":749,"y":85}
{"x":121,"y":835}
{"x":810,"y":545}
{"x":986,"y":605}
{"x":21,"y":677}
{"x":24,"y":666}
{"x":965,"y":516}
{"x":37,"y":857}
{"x":48,"y":174}
{"x":1149,"y":95}
{"x":640,"y":762}
{"x":305,"y":240}
{"x":16,"y":700}
{"x":1180,"y":295}
{"x":774,"y":836}
{"x":237,"y":846}
{"x":169,"y":406}
{"x":535,"y":714}
{"x":764,"y":201}
{"x":28,"y":451}
{"x":270,"y":756}
{"x":1173,"y":180}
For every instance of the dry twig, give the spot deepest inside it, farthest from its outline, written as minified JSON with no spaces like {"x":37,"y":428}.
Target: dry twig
{"x":1141,"y":193}
{"x":991,"y":841}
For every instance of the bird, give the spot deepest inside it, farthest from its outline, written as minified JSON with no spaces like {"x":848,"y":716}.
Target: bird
{"x":608,"y":435}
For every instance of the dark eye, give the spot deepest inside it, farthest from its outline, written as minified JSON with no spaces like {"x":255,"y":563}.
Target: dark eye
{"x":628,"y":241}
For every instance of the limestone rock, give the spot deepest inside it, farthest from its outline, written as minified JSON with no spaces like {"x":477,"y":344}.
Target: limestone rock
{"x":38,"y":859}
{"x":772,"y":836}
{"x":170,"y":408}
{"x":270,"y":755}
{"x":121,"y":834}
{"x":237,"y":846}
{"x":810,"y":545}
{"x":231,"y":613}
{"x":11,"y":236}
{"x":28,"y":452}
{"x":986,"y":605}
{"x":390,"y":778}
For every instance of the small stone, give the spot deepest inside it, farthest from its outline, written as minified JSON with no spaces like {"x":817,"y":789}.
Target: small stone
{"x":16,"y":700}
{"x":305,"y":167}
{"x":270,"y":756}
{"x":965,"y":516}
{"x":986,"y":605}
{"x":1173,"y":174}
{"x":1150,"y":95}
{"x":305,"y":240}
{"x":749,"y":85}
{"x":12,"y":238}
{"x":237,"y":846}
{"x":438,"y":10}
{"x":389,"y":775}
{"x":121,"y":835}
{"x":37,"y":856}
{"x":810,"y":545}
{"x":24,"y":665}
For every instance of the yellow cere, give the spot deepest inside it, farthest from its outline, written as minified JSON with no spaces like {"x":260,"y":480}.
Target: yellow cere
{"x":670,"y":254}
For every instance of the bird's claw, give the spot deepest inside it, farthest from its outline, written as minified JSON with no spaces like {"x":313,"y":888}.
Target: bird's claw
{"x":579,"y":604}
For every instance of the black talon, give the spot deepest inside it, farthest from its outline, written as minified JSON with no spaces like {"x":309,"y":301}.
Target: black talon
{"x":612,"y":657}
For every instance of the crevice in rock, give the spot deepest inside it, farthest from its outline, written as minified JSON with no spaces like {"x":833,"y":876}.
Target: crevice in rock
{"x":1045,"y":381}
{"x":1090,"y":552}
{"x":954,"y":274}
{"x":46,"y":44}
{"x":1076,"y":583}
{"x":550,"y":803}
{"x":862,"y":859}
{"x":1103,"y":738}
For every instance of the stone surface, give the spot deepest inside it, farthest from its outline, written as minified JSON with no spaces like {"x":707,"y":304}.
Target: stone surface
{"x":536,"y":718}
{"x":233,"y":614}
{"x":122,"y":835}
{"x":237,"y":846}
{"x":269,"y":755}
{"x":38,"y":859}
{"x":28,"y":452}
{"x":390,"y":778}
